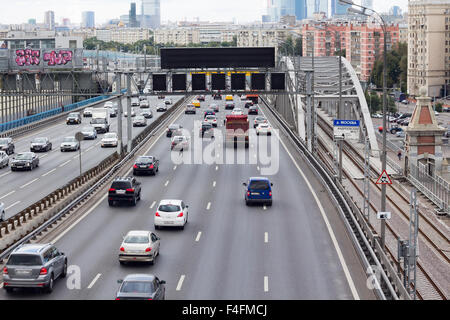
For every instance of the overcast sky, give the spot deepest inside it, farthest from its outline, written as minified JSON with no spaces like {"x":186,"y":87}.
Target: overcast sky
{"x":19,"y":11}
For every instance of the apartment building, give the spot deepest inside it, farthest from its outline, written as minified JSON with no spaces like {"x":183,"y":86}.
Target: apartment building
{"x":129,"y":35}
{"x":177,"y":36}
{"x":429,"y":47}
{"x":262,"y":36}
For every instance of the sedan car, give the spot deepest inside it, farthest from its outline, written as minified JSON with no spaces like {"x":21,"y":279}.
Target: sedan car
{"x":248,"y":103}
{"x":201,"y":98}
{"x":161,"y":108}
{"x":237,"y":112}
{"x":211,"y":119}
{"x":214,"y":107}
{"x":209,"y":112}
{"x":258,"y":120}
{"x":70,"y":144}
{"x":133,"y":113}
{"x":168,"y":101}
{"x":179,"y":143}
{"x":146,"y":113}
{"x":40,"y":144}
{"x":171,"y":213}
{"x":74,"y":118}
{"x":142,"y":246}
{"x":4,"y":159}
{"x":87,"y":112}
{"x":139,"y":121}
{"x":146,"y":164}
{"x":190,"y":108}
{"x":144,"y":104}
{"x":89,"y":133}
{"x":141,"y":287}
{"x":264,"y":128}
{"x":112,"y":112}
{"x":229,"y":97}
{"x":253,"y":109}
{"x":229,"y":106}
{"x":7,"y":145}
{"x":196,"y":103}
{"x":24,"y":161}
{"x":110,"y":140}
{"x":174,"y":130}
{"x":258,"y":190}
{"x":217,"y":96}
{"x":206,"y":130}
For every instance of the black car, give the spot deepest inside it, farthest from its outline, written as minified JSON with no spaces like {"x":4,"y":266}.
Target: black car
{"x":25,"y":161}
{"x":173,"y":128}
{"x":217,"y":96}
{"x":146,"y":164}
{"x":161,"y":108}
{"x":253,"y":110}
{"x":161,"y":97}
{"x":126,"y":189}
{"x":74,"y":118}
{"x":201,"y":98}
{"x":147,"y":113}
{"x":229,"y":106}
{"x":214,"y":107}
{"x":209,"y":112}
{"x":206,"y":130}
{"x":141,"y":287}
{"x":7,"y":145}
{"x":40,"y":144}
{"x":248,"y":103}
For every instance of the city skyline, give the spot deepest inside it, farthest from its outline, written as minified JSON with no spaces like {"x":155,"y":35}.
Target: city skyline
{"x":171,"y":10}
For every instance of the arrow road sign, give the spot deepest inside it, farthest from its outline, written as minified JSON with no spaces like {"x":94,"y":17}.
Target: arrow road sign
{"x":384,"y":178}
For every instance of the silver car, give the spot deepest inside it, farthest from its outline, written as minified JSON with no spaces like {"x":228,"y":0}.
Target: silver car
{"x":70,"y":144}
{"x":139,"y":121}
{"x":4,"y":159}
{"x":89,"y":133}
{"x":34,"y":266}
{"x":142,"y":246}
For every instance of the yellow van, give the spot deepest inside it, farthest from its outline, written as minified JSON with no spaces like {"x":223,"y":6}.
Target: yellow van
{"x":229,"y":97}
{"x":196,"y":103}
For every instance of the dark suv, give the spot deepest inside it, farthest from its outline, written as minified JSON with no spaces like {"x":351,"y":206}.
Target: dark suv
{"x":74,"y":118}
{"x":7,"y":145}
{"x":146,"y":164}
{"x":173,"y":130}
{"x":126,"y":189}
{"x":34,"y":266}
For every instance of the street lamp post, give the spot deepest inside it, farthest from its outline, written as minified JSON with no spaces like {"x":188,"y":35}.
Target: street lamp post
{"x":384,"y":153}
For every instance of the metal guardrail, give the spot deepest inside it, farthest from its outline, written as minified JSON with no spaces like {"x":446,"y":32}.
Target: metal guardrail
{"x":365,"y":241}
{"x":51,"y":200}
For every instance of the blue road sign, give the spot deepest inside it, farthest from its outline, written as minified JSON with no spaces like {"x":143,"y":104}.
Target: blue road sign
{"x":346,"y":123}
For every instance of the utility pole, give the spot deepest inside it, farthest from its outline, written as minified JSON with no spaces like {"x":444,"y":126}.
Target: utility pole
{"x":129,"y":125}
{"x":119,"y":111}
{"x":340,"y":111}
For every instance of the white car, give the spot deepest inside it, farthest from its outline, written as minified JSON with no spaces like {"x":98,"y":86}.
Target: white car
{"x":211,"y":119}
{"x":179,"y":143}
{"x":133,"y":113}
{"x":4,"y":159}
{"x":168,"y":101}
{"x":144,"y":104}
{"x":264,"y":128}
{"x":87,"y":112}
{"x":135,"y":102}
{"x":377,"y":116}
{"x":142,"y":246}
{"x":110,"y":140}
{"x":69,"y":144}
{"x":108,"y":104}
{"x":237,"y":112}
{"x":2,"y":211}
{"x":243,"y":97}
{"x":171,"y":213}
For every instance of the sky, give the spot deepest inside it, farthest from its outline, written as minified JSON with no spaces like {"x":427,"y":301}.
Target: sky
{"x":19,"y":11}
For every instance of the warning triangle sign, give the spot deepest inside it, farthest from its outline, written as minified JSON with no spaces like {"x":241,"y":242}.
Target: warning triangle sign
{"x":384,"y":178}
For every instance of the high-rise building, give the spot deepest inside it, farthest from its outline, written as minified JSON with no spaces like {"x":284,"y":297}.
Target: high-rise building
{"x":88,"y":19}
{"x":285,"y":7}
{"x":132,"y":19}
{"x":49,"y":20}
{"x":32,"y":21}
{"x":429,"y":47}
{"x":150,"y":14}
{"x":300,"y":9}
{"x":338,"y":8}
{"x":395,"y":11}
{"x":316,"y":6}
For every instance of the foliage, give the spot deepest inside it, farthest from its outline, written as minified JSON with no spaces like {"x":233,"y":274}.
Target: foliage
{"x":438,"y":106}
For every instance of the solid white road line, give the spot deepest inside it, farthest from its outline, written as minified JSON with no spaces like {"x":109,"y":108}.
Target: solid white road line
{"x":327,"y":223}
{"x":266,"y":237}
{"x":266,"y":284}
{"x":7,"y":194}
{"x":5,"y":174}
{"x":199,"y":234}
{"x":217,"y":168}
{"x":180,"y":282}
{"x":46,"y":174}
{"x":214,"y":184}
{"x":27,"y":184}
{"x":15,"y":203}
{"x":153,"y":204}
{"x":62,"y":165}
{"x":208,"y":206}
{"x":93,"y":281}
{"x":167,"y":183}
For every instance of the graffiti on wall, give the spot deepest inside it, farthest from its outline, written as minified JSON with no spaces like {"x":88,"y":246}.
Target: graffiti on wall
{"x":30,"y":57}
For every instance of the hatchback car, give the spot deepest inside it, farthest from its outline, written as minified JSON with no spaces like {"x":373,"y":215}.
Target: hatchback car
{"x":264,"y":128}
{"x":126,"y":189}
{"x":141,"y":287}
{"x":237,"y":112}
{"x":161,"y":108}
{"x":258,"y":190}
{"x":144,"y":104}
{"x":110,"y":140}
{"x":24,"y":161}
{"x":139,"y":246}
{"x":89,"y":133}
{"x":146,"y":164}
{"x":258,"y":120}
{"x":74,"y":118}
{"x":173,"y":130}
{"x":168,"y":101}
{"x":34,"y":266}
{"x":40,"y":144}
{"x":4,"y":159}
{"x":180,"y":143}
{"x":206,"y":130}
{"x":139,"y":121}
{"x":171,"y":213}
{"x":211,"y":119}
{"x":190,"y":109}
{"x":7,"y":145}
{"x":69,"y":144}
{"x":147,"y":113}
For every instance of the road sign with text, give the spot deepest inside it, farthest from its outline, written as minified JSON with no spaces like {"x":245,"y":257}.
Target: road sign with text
{"x":346,"y":129}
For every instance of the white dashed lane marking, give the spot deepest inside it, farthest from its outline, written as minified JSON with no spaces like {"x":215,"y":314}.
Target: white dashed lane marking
{"x":199,"y":234}
{"x":208,"y":206}
{"x":15,"y":203}
{"x":94,"y":281}
{"x":10,"y":193}
{"x":180,"y":282}
{"x":153,"y":204}
{"x":27,"y":184}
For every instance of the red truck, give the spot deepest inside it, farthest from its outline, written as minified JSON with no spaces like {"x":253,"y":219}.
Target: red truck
{"x":237,"y":127}
{"x":253,"y":97}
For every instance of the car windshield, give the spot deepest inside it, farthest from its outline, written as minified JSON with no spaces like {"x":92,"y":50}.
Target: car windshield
{"x":260,"y":119}
{"x":73,"y":115}
{"x":206,"y":126}
{"x":169,"y":208}
{"x":3,"y":141}
{"x":259,"y":185}
{"x":23,"y":156}
{"x":136,"y":239}
{"x":174,"y":126}
{"x":210,"y":118}
{"x":88,"y":129}
{"x":110,"y":136}
{"x":144,"y":160}
{"x":136,"y":287}
{"x":24,"y":260}
{"x":69,"y":139}
{"x":139,"y":118}
{"x":39,"y":140}
{"x":98,"y":120}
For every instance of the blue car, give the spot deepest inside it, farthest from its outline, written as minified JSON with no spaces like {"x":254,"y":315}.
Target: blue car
{"x":258,"y":190}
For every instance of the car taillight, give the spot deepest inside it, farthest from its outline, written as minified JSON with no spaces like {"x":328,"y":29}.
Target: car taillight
{"x":117,"y":298}
{"x":43,"y":271}
{"x":270,"y":193}
{"x":151,"y":166}
{"x":148,"y":249}
{"x":157,"y":214}
{"x":180,"y":215}
{"x":122,"y":249}
{"x":112,"y":189}
{"x":130,"y":190}
{"x":5,"y":270}
{"x":248,"y":193}
{"x":135,"y":166}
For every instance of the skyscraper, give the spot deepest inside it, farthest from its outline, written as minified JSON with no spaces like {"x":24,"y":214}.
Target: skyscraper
{"x":49,"y":20}
{"x":88,"y":19}
{"x":150,"y":14}
{"x":338,"y":8}
{"x":316,"y":6}
{"x":300,"y":9}
{"x":132,"y":16}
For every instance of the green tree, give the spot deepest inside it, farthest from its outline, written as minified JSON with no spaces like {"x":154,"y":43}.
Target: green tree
{"x":438,"y":106}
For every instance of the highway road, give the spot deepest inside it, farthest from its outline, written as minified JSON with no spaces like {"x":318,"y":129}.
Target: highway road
{"x":19,"y":189}
{"x":296,"y":249}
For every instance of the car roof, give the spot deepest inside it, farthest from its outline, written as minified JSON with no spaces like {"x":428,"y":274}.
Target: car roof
{"x":138,"y":233}
{"x":259,"y":179}
{"x":31,"y":248}
{"x":139,"y":277}
{"x":168,"y":201}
